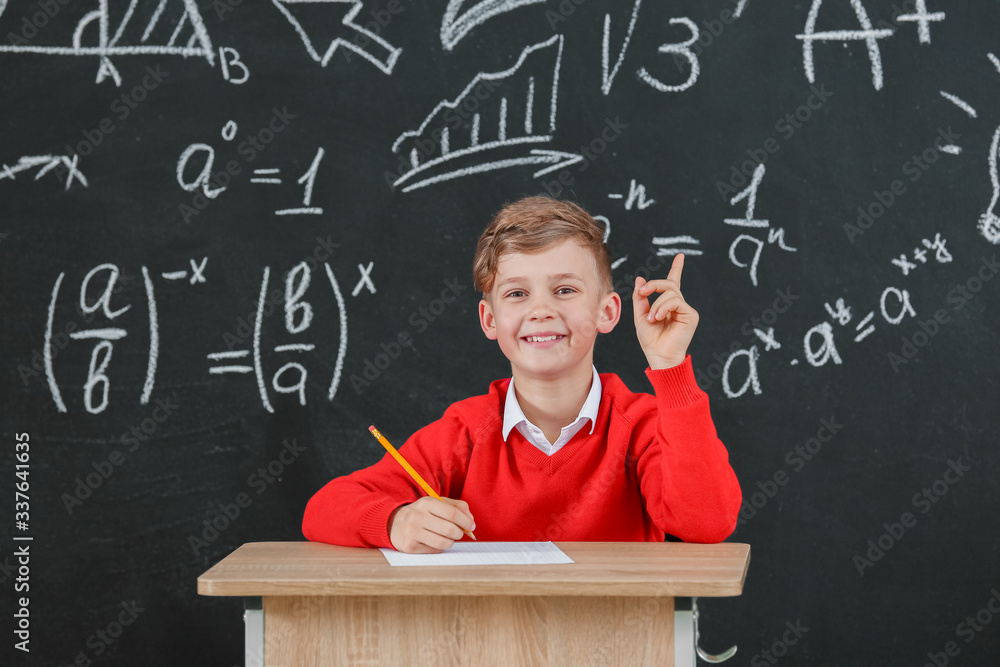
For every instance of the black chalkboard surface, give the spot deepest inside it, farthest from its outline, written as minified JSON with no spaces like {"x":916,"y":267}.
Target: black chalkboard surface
{"x":233,"y":234}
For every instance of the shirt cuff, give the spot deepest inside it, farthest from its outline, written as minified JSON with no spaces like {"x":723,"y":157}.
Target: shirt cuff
{"x":676,"y":386}
{"x":375,"y":524}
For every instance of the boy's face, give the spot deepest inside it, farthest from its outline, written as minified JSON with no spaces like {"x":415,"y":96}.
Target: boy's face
{"x":546,"y":309}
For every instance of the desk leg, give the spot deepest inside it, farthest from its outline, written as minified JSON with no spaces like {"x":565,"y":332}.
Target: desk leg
{"x":686,"y":636}
{"x":253,"y":643}
{"x":684,"y":639}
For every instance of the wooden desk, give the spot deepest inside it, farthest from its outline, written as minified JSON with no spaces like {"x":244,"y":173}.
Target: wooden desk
{"x":317,"y":604}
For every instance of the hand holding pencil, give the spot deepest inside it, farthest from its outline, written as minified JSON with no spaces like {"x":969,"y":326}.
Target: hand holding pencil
{"x":430,"y":524}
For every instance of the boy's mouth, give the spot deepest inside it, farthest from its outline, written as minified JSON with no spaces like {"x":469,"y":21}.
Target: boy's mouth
{"x":544,"y":338}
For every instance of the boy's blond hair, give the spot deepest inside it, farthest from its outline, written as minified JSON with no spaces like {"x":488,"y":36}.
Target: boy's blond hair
{"x":529,"y":226}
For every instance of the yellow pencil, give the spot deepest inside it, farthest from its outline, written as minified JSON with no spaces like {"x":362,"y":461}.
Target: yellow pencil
{"x":408,"y":468}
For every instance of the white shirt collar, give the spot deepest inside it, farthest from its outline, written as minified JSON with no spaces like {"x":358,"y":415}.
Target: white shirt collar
{"x":513,"y":415}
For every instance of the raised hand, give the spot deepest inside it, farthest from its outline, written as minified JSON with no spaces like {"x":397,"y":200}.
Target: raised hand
{"x":666,"y":327}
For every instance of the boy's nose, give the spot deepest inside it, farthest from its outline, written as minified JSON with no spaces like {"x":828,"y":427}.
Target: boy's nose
{"x":541,"y":309}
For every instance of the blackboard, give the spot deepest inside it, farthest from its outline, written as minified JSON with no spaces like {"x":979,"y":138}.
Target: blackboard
{"x":272,"y":208}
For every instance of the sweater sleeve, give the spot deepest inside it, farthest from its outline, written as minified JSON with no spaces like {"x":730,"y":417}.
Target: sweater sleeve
{"x":689,"y":488}
{"x":354,"y":510}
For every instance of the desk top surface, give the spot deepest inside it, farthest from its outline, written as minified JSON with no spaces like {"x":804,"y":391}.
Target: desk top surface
{"x":658,"y":569}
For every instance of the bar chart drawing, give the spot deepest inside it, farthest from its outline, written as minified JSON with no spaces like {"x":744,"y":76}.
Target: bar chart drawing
{"x":500,"y":120}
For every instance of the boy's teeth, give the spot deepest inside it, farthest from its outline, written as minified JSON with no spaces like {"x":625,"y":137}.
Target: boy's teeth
{"x":539,"y":339}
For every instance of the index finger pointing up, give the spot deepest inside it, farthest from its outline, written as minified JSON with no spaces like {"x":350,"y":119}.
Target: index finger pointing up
{"x":676,"y":268}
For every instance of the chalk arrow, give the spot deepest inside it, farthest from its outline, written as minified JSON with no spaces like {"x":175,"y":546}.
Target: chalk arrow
{"x":50,"y":162}
{"x":538,"y":156}
{"x":560,"y":158}
{"x":348,"y":34}
{"x":24,"y":163}
{"x":454,"y":26}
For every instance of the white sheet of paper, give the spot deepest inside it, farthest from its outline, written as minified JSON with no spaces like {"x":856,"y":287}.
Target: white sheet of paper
{"x":484,"y":553}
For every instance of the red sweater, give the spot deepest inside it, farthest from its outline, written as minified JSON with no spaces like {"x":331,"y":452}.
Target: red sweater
{"x":653,"y":465}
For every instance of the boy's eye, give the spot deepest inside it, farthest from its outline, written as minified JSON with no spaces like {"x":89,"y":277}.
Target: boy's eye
{"x":515,"y":293}
{"x":565,"y":290}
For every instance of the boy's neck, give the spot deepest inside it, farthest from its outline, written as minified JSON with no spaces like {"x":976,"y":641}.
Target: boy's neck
{"x":551,"y":404}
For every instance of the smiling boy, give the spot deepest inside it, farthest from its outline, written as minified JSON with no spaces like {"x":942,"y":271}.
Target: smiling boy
{"x":557,"y":451}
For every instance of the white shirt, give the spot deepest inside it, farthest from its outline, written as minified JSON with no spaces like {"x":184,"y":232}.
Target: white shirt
{"x":514,"y":416}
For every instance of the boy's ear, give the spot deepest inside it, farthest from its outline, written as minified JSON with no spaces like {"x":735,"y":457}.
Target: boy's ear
{"x":610,"y":313}
{"x":486,"y":319}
